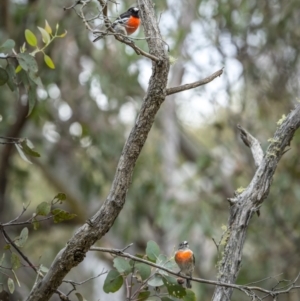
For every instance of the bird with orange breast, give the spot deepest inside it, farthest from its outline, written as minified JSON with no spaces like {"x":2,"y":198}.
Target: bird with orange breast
{"x":126,"y":24}
{"x":185,"y":259}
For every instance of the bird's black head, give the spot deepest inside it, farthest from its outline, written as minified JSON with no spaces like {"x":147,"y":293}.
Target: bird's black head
{"x":134,"y":11}
{"x":183,"y":245}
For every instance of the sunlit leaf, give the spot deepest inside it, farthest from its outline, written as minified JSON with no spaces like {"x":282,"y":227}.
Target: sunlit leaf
{"x":47,"y":27}
{"x":49,"y":61}
{"x":45,"y":35}
{"x":62,"y":35}
{"x":30,"y":37}
{"x":18,"y":69}
{"x":113,"y":282}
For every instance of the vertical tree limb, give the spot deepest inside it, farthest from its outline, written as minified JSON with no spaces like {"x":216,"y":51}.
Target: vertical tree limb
{"x":101,"y":222}
{"x":246,"y":203}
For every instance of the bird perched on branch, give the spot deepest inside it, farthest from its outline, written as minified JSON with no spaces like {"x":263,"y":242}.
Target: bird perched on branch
{"x":185,"y":259}
{"x":126,"y":24}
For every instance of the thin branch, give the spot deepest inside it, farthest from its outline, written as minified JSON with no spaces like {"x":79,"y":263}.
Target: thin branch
{"x":9,"y":240}
{"x":199,"y":83}
{"x":253,"y":144}
{"x":243,"y":288}
{"x":74,"y":283}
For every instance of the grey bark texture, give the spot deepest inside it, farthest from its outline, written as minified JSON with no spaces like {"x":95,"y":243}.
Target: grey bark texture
{"x":101,"y":222}
{"x":243,"y":205}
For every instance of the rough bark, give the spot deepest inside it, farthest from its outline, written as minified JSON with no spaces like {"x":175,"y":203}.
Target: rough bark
{"x":101,"y":222}
{"x":243,"y":205}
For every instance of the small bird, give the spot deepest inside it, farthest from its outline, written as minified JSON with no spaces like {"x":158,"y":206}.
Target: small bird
{"x":185,"y":259}
{"x":126,"y":24}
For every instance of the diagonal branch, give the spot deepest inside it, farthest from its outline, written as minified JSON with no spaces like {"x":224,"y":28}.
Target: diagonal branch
{"x":199,"y":83}
{"x":77,"y":247}
{"x":245,"y":204}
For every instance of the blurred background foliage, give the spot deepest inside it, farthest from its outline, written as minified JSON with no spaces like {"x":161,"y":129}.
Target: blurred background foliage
{"x":193,"y":159}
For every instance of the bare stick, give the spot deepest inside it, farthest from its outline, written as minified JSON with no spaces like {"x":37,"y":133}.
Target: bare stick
{"x":253,"y":144}
{"x":199,"y":83}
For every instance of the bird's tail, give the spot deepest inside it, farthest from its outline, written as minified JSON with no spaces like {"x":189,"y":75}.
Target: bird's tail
{"x":101,"y":36}
{"x":188,"y":283}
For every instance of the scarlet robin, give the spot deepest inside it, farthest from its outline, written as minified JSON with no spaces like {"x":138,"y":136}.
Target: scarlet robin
{"x":126,"y":24}
{"x":185,"y":259}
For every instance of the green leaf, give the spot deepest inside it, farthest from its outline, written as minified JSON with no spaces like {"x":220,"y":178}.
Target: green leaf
{"x":166,"y":299}
{"x":21,"y":240}
{"x":31,"y":97}
{"x":11,"y":77}
{"x":62,"y":35}
{"x":45,"y":35}
{"x":15,"y":261}
{"x":3,"y":76}
{"x":143,"y":296}
{"x":36,"y":79}
{"x":43,"y":209}
{"x":11,"y":285}
{"x":48,"y":27}
{"x":61,"y":196}
{"x":30,"y":37}
{"x":49,"y":61}
{"x":156,"y":281}
{"x":18,"y":69}
{"x":27,"y":150}
{"x":2,"y":258}
{"x":174,"y":289}
{"x":190,"y":296}
{"x":21,"y":153}
{"x":36,"y":224}
{"x":7,"y":45}
{"x":60,"y":215}
{"x":6,"y":247}
{"x":43,"y":269}
{"x":122,"y":265}
{"x":144,"y":270}
{"x":113,"y":282}
{"x":152,"y":250}
{"x":80,"y":297}
{"x":27,"y":62}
